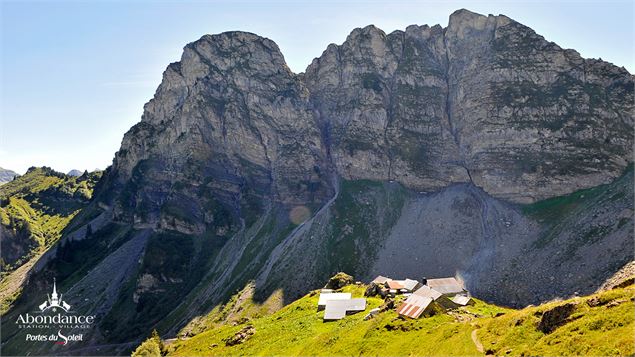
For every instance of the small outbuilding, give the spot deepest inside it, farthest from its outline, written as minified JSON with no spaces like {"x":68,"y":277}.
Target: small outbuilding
{"x":446,"y":286}
{"x":380,"y":280}
{"x":410,"y":285}
{"x":463,"y":300}
{"x":439,"y":298}
{"x":395,"y":286}
{"x":372,"y":313}
{"x":415,"y":306}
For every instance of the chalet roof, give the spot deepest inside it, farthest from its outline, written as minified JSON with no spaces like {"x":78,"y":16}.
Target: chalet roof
{"x":324,"y":297}
{"x":395,"y":284}
{"x":446,"y":285}
{"x":426,"y":291}
{"x":410,"y":284}
{"x":461,"y":300}
{"x":380,"y":280}
{"x":414,"y":306}
{"x":334,"y":313}
{"x":357,"y":304}
{"x":337,"y":309}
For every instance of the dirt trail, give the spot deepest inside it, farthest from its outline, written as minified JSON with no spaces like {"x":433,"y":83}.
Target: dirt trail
{"x":477,"y":342}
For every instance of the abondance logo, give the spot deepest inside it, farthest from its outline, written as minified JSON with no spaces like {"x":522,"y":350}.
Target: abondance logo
{"x":54,"y":302}
{"x":55,"y":315}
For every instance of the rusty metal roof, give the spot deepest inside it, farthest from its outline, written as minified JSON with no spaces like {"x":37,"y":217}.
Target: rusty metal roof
{"x":426,"y":291}
{"x":446,"y":285}
{"x":395,"y":284}
{"x":414,"y":306}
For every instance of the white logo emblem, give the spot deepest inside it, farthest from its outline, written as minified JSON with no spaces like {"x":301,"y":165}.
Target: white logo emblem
{"x":53,"y":301}
{"x":59,"y":333}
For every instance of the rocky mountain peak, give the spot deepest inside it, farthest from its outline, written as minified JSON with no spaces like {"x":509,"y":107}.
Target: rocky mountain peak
{"x":232,"y":51}
{"x":367,"y":33}
{"x":230,"y":118}
{"x":485,"y":100}
{"x":464,"y":20}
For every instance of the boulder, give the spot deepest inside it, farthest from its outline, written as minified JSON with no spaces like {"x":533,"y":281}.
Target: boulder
{"x":240,"y":336}
{"x":339,"y":281}
{"x":557,"y":316}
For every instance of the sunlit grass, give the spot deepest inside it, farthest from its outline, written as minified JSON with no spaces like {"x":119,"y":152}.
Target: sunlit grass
{"x":298,"y":329}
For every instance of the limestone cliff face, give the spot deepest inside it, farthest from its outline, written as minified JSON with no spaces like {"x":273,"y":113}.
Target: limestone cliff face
{"x":485,"y":100}
{"x":230,"y":125}
{"x":534,"y":120}
{"x":382,"y":100}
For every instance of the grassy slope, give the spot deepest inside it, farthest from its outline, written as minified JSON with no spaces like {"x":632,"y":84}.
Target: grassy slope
{"x":36,"y":208}
{"x":239,"y":309}
{"x":42,"y":203}
{"x":605,"y":330}
{"x":297,"y":329}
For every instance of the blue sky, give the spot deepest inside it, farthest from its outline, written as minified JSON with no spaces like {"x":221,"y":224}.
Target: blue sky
{"x":75,"y":74}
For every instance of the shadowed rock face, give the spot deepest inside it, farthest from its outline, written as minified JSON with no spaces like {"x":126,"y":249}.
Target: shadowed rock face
{"x":423,"y":144}
{"x":231,"y":123}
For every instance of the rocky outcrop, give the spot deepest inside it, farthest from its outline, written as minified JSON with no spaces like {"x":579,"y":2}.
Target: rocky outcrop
{"x":555,"y":317}
{"x":339,"y":281}
{"x":240,"y":336}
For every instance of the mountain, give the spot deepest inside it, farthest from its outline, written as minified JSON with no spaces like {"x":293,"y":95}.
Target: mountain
{"x":479,"y":149}
{"x":604,"y":320}
{"x":75,"y":173}
{"x":6,"y":175}
{"x":35,"y":209}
